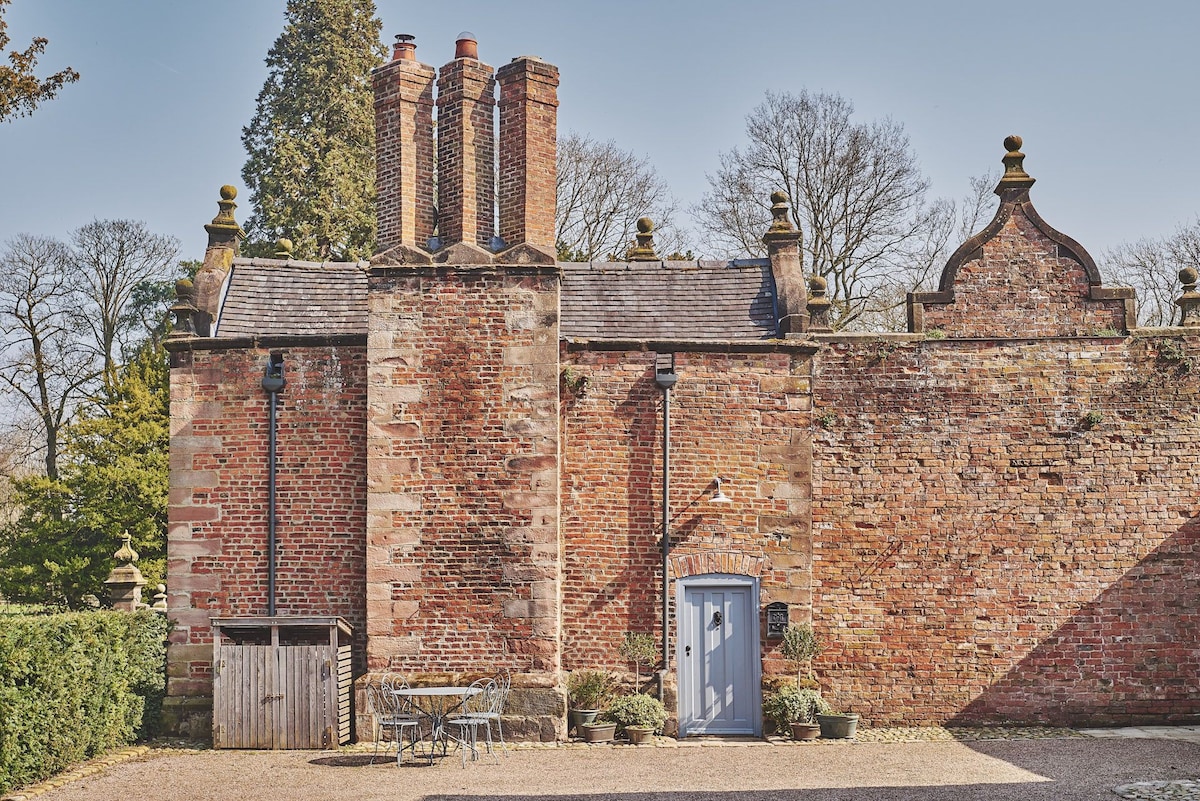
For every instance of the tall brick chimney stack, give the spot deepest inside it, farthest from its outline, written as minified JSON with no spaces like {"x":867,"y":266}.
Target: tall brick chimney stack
{"x":528,"y":152}
{"x":404,"y":148}
{"x":466,"y":148}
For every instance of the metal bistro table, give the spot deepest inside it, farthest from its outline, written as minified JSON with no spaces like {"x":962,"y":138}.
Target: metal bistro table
{"x":437,"y":704}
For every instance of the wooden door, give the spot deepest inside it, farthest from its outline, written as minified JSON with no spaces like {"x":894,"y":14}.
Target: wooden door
{"x":717,"y":655}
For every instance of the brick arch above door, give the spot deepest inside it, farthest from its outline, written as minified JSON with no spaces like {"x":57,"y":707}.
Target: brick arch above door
{"x":729,"y":562}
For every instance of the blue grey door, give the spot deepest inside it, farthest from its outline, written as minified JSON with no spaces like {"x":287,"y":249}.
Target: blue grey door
{"x":718,"y":656}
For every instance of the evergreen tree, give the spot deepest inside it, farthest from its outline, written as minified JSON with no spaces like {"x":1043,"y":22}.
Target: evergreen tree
{"x":311,"y":144}
{"x":112,"y":479}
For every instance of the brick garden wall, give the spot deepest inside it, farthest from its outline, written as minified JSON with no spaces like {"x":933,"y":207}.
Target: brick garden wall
{"x":217,"y":536}
{"x":1006,"y":529}
{"x":742,"y":416}
{"x":1024,"y":282}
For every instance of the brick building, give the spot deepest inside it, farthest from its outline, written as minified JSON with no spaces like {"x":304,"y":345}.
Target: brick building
{"x":992,"y":517}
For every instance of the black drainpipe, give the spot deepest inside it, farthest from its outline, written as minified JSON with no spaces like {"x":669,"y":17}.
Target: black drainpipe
{"x":665,"y":378}
{"x":273,"y":382}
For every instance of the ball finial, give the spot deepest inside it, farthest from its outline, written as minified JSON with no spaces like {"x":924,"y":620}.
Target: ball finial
{"x":228,"y":192}
{"x":1189,"y":275}
{"x":779,"y":196}
{"x":1013,"y":142}
{"x":645,"y":225}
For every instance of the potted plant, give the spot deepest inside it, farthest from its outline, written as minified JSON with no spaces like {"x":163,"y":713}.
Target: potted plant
{"x":838,"y":725}
{"x":588,"y":692}
{"x":639,"y":715}
{"x":800,"y":647}
{"x":640,"y":649}
{"x":796,"y":709}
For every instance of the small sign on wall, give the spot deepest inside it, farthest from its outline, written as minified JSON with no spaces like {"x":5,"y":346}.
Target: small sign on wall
{"x":777,"y":619}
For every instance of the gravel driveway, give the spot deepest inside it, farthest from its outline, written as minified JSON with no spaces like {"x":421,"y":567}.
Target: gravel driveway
{"x":1060,"y":769}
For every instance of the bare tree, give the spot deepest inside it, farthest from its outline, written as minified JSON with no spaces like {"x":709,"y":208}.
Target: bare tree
{"x":602,"y":191}
{"x":44,"y":361}
{"x":115,"y":260}
{"x":1151,"y":266}
{"x":857,"y":195}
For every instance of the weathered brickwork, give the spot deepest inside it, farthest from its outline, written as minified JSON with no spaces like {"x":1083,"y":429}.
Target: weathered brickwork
{"x":217,"y":535}
{"x":404,"y":163}
{"x":1021,"y":286}
{"x":466,"y":152}
{"x":743,"y":417}
{"x":528,"y":147}
{"x":462,"y":538}
{"x":1006,"y":529}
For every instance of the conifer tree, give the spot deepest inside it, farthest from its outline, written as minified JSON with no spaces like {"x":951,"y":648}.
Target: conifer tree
{"x":311,"y":144}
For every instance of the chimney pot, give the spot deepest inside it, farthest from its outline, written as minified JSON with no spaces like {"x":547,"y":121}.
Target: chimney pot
{"x":405,"y":48}
{"x":466,"y":46}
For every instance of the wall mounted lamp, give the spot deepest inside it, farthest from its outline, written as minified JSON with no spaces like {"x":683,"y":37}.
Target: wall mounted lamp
{"x":718,"y":495}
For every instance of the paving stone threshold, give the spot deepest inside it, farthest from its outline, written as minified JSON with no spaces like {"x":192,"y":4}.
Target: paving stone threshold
{"x":1176,"y":790}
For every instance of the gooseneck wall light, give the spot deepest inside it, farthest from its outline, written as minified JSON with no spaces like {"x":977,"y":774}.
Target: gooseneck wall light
{"x":719,"y":495}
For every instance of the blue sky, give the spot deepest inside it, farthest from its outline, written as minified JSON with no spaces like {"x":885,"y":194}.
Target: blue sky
{"x":1102,"y":92}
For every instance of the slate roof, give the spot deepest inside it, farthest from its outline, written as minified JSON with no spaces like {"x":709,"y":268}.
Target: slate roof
{"x":668,"y":300}
{"x":690,"y":300}
{"x":268,"y":297}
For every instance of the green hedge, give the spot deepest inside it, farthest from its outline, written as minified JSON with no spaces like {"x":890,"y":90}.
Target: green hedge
{"x":74,"y":685}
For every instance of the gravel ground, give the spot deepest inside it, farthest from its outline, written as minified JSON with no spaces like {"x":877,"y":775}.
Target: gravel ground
{"x":885,"y":765}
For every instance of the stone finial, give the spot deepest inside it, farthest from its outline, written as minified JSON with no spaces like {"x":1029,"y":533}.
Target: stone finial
{"x":1014,"y":176}
{"x":160,"y":598}
{"x":818,"y":306}
{"x":125,"y":582}
{"x":644,"y":249}
{"x":184,"y":309}
{"x":224,"y":226}
{"x":126,"y":553}
{"x":283,"y":249}
{"x":1189,"y":301}
{"x":781,"y":221}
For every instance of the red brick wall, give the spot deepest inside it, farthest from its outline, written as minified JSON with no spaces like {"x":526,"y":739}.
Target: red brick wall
{"x":744,"y":417}
{"x":466,"y":152}
{"x":462,"y":570}
{"x":983,"y":551}
{"x":217,"y":537}
{"x":1022,"y":285}
{"x":404,"y":165}
{"x":528,"y":148}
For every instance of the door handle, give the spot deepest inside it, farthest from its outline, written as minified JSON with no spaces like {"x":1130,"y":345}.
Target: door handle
{"x":687,"y":650}
{"x":717,"y":618}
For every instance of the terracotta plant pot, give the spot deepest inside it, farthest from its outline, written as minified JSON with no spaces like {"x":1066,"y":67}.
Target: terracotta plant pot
{"x":598,"y":732}
{"x":639,"y":734}
{"x":838,"y":727}
{"x":806,"y":731}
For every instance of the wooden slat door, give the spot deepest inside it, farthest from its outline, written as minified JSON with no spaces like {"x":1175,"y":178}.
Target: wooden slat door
{"x":275,"y":697}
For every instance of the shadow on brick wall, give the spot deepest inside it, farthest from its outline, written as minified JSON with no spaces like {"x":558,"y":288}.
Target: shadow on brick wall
{"x":1129,"y":657}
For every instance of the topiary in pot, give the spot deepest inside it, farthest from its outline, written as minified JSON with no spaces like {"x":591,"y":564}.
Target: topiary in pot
{"x":640,"y":649}
{"x":800,"y":647}
{"x":639,"y":715}
{"x":794,"y":705}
